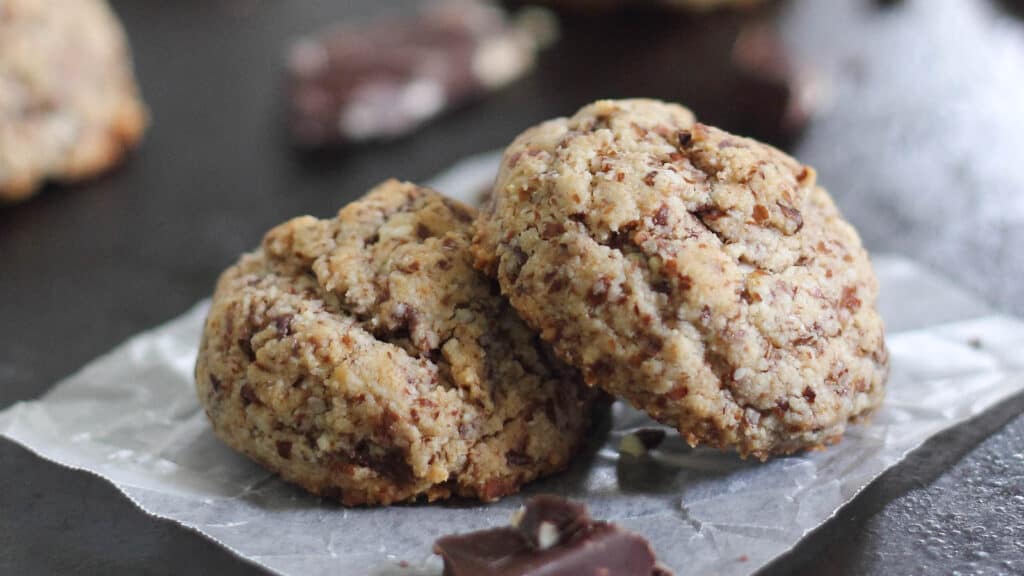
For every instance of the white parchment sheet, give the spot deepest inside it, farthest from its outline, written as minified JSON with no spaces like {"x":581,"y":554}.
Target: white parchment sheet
{"x":132,"y":417}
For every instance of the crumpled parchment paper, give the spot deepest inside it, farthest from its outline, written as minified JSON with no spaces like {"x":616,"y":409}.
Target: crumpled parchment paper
{"x":132,"y":417}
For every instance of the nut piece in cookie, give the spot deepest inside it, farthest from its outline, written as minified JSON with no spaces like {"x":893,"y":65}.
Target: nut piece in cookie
{"x":69,"y":106}
{"x":364,"y":358}
{"x":704,"y":277}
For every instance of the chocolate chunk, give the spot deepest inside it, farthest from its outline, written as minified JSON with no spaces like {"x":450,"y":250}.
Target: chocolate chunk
{"x":246,"y":346}
{"x":422,"y":231}
{"x":248,"y":395}
{"x":551,"y":537}
{"x":769,"y":84}
{"x":514,"y":458}
{"x":384,"y":79}
{"x":651,"y":438}
{"x":809,"y":395}
{"x":283,"y":324}
{"x":641,"y":441}
{"x":284,"y":449}
{"x":391,"y":464}
{"x":661,"y":216}
{"x":548,"y":520}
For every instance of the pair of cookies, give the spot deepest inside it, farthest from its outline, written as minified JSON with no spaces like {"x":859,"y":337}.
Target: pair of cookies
{"x":703,"y":277}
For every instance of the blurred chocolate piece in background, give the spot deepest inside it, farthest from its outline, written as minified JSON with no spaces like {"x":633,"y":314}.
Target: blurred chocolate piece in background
{"x":768,"y":80}
{"x":550,"y":536}
{"x":1015,"y":7}
{"x":731,"y":67}
{"x":613,"y":5}
{"x":699,"y":5}
{"x":379,"y":81}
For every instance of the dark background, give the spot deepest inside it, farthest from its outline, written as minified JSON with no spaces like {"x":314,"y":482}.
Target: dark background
{"x":918,"y":133}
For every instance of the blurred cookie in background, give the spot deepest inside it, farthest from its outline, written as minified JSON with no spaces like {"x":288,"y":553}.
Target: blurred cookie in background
{"x":363,"y":82}
{"x":69,"y":105}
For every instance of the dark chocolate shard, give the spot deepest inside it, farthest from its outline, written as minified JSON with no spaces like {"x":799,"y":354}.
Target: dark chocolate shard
{"x":651,"y":438}
{"x":390,"y":464}
{"x":771,"y":83}
{"x":383,"y":80}
{"x":551,"y":536}
{"x":548,"y":520}
{"x":639,"y":442}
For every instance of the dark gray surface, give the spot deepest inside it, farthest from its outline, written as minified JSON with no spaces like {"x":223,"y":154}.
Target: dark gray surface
{"x":920,"y":142}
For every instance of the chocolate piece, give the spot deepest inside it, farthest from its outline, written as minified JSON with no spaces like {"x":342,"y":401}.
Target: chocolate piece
{"x":611,"y":7}
{"x":639,"y":442}
{"x":383,"y":80}
{"x":651,"y":438}
{"x":770,"y":82}
{"x":551,"y":536}
{"x":547,"y":520}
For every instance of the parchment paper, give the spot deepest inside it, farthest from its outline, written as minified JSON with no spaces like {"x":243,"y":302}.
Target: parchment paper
{"x":132,"y":417}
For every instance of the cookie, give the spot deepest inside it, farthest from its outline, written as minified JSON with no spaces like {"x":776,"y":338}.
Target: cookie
{"x":69,"y":107}
{"x":701,"y":276}
{"x":365,"y":359}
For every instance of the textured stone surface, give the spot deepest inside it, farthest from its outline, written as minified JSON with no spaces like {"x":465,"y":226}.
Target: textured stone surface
{"x":952,"y":507}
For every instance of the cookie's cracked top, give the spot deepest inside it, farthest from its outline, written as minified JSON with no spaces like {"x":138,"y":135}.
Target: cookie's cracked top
{"x":364,"y":358}
{"x":69,"y":106}
{"x":702,"y":276}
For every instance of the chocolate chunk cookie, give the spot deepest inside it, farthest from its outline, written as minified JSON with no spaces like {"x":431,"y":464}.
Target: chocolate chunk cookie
{"x":69,"y":107}
{"x":364,"y":359}
{"x":702,"y":276}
